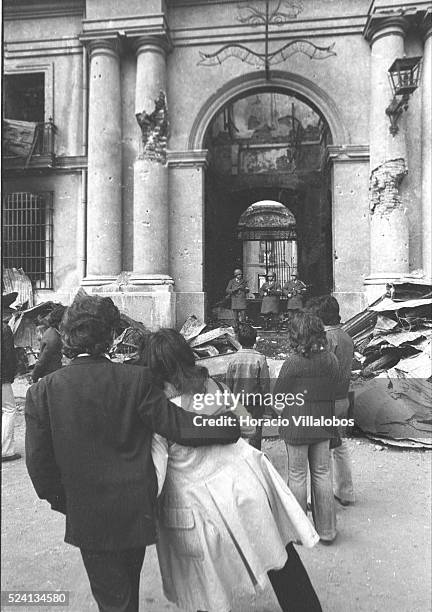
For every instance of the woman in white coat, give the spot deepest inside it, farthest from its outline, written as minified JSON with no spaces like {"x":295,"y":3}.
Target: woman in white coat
{"x":227,"y":519}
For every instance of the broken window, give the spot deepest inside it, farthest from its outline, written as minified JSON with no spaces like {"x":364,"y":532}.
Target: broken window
{"x":24,"y":97}
{"x":27,"y":227}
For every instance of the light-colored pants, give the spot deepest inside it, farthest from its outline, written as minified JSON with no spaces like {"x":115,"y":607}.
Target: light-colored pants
{"x":323,"y":508}
{"x":8,"y":420}
{"x":342,"y":477}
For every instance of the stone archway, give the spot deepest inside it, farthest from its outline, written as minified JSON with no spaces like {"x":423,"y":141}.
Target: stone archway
{"x":266,"y":144}
{"x":284,"y":82}
{"x":189,"y":172}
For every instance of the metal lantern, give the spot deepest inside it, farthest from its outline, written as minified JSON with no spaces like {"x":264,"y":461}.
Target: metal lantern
{"x":403,"y":76}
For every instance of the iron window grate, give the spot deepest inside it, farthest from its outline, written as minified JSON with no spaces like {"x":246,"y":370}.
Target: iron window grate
{"x":27,"y":227}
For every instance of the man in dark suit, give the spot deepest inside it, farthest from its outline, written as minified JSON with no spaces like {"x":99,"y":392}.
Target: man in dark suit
{"x":89,"y":430}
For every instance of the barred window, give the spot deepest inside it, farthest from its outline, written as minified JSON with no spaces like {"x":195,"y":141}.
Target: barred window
{"x":28,"y":236}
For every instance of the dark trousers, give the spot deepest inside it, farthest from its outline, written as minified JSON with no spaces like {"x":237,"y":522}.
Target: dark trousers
{"x":114,"y":578}
{"x":292,"y":585}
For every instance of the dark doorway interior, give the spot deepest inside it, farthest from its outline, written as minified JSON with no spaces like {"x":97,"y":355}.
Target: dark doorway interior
{"x":267,"y":146}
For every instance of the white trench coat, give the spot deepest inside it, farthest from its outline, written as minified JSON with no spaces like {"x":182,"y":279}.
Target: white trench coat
{"x":226,"y":517}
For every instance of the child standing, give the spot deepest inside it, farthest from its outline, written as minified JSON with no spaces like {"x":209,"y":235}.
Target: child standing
{"x":248,"y":374}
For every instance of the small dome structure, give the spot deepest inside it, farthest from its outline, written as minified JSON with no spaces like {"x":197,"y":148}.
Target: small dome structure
{"x":267,"y":220}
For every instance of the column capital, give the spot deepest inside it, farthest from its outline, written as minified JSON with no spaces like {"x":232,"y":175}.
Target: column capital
{"x":154,"y":44}
{"x":380,"y":25}
{"x":103,"y":46}
{"x":426,"y":25}
{"x":188,"y":159}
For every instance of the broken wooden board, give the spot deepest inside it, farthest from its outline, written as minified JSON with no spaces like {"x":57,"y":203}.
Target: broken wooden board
{"x":192,"y":327}
{"x":211,"y":335}
{"x":206,"y":350}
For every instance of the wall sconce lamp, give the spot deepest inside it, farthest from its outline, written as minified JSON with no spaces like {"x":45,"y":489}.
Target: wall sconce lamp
{"x":404,"y":77}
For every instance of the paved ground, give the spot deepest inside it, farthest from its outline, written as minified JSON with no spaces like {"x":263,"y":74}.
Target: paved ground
{"x":379,"y":562}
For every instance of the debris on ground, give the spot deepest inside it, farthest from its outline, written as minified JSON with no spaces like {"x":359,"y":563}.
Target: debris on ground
{"x":392,"y":368}
{"x":192,"y":327}
{"x":27,"y":326}
{"x":207,"y":342}
{"x":15,"y":279}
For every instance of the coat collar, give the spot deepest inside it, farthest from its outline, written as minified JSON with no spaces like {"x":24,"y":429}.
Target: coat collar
{"x":89,"y":359}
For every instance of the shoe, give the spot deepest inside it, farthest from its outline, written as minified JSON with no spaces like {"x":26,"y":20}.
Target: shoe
{"x":327,"y":542}
{"x":343,"y":502}
{"x":13,"y":457}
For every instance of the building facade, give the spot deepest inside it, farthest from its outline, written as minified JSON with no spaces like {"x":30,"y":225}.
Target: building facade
{"x":158,"y":123}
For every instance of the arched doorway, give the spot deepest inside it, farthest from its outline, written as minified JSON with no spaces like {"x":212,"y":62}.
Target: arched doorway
{"x":267,"y":145}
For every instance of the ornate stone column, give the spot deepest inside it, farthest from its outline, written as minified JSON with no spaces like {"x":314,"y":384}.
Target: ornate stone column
{"x":389,"y":232}
{"x":426,"y":151}
{"x":104,"y":209}
{"x":150,"y":209}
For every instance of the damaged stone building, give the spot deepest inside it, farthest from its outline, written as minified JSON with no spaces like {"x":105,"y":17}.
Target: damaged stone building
{"x":140,"y":135}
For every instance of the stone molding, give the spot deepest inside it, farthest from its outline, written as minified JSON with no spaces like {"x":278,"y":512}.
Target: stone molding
{"x":51,"y":164}
{"x":135,"y":282}
{"x":347,"y":153}
{"x":30,"y":49}
{"x":149,"y":25}
{"x":298,"y":28}
{"x":404,"y":16}
{"x":41,"y":10}
{"x":188,"y":159}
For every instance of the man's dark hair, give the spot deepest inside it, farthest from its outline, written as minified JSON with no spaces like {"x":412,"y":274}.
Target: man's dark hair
{"x":55,"y":316}
{"x":306,"y":333}
{"x":326,"y":307}
{"x":246,"y":335}
{"x":88,"y":325}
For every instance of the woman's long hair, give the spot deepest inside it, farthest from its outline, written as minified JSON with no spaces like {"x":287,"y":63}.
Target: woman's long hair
{"x":171,"y":360}
{"x":306,"y":334}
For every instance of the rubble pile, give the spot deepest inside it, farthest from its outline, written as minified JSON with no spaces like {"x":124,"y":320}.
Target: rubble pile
{"x":392,"y":374}
{"x":28,"y":325}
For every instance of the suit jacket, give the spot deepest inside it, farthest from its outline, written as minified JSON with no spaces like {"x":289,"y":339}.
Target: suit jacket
{"x":89,"y":430}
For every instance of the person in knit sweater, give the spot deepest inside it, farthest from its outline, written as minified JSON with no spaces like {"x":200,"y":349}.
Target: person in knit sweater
{"x":340,"y":343}
{"x":308,"y":380}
